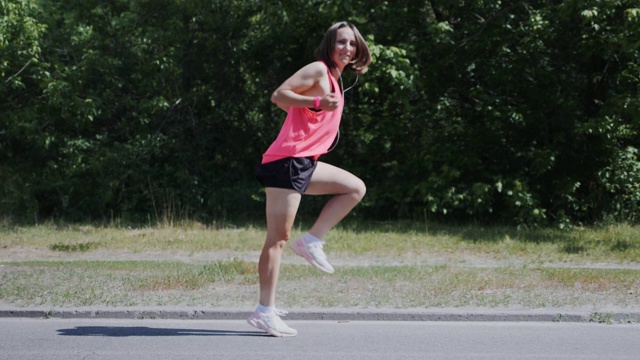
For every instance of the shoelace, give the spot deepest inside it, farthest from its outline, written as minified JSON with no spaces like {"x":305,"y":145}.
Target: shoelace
{"x":317,"y":245}
{"x":280,"y":312}
{"x":276,"y":321}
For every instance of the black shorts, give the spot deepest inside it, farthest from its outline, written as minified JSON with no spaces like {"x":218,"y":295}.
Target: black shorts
{"x":288,"y":173}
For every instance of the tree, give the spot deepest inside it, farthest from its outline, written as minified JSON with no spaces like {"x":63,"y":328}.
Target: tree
{"x":521,"y":112}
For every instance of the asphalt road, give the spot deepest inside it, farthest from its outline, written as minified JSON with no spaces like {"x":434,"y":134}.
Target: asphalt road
{"x":57,"y":339}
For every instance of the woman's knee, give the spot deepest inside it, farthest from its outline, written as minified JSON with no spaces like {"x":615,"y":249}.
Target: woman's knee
{"x":359,"y":190}
{"x":278,"y":237}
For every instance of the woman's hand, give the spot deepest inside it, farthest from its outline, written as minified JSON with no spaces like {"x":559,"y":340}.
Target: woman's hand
{"x":329,"y":102}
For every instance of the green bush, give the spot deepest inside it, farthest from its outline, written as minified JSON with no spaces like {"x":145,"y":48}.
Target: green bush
{"x":513,"y":112}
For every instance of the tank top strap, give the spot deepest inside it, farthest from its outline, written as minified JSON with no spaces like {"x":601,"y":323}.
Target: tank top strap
{"x":332,"y":80}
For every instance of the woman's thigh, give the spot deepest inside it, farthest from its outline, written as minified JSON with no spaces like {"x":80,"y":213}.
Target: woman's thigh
{"x":282,"y":206}
{"x":332,"y":180}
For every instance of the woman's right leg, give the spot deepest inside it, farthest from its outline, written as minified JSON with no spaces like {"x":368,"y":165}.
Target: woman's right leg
{"x":282,"y":206}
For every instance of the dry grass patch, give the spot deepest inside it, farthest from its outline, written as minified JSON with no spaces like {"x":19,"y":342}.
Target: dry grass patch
{"x":396,"y":265}
{"x":234,"y":283}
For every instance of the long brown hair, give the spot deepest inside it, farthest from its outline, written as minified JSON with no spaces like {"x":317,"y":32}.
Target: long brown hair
{"x":362,"y":58}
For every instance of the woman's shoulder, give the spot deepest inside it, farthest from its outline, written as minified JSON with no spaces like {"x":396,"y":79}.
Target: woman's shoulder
{"x":316,"y":68}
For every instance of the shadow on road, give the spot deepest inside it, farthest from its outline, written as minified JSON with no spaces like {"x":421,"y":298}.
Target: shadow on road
{"x":117,"y":331}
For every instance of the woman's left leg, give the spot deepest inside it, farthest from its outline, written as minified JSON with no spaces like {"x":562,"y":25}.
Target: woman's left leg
{"x":347,"y":188}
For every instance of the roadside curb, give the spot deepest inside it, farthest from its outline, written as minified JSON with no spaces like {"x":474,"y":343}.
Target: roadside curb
{"x":324,"y":314}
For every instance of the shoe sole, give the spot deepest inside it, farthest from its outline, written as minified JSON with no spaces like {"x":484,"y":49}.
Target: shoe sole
{"x":300,"y":251}
{"x":261,"y":326}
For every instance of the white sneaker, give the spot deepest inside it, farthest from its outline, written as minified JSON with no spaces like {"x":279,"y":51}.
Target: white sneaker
{"x":313,"y":253}
{"x":271,"y":323}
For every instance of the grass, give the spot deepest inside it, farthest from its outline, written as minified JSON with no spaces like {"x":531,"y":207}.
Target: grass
{"x":74,"y":247}
{"x":616,"y":243}
{"x":379,"y":265}
{"x":232,"y":283}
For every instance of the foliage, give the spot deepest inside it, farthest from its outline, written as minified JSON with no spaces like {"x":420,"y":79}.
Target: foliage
{"x":492,"y":111}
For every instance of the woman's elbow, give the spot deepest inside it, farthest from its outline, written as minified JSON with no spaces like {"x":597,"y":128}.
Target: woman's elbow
{"x":275,"y":97}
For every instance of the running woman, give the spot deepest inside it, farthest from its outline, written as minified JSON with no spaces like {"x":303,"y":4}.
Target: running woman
{"x":313,"y":100}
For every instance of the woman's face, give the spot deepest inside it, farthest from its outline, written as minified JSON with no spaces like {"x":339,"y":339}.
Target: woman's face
{"x":345,"y":48}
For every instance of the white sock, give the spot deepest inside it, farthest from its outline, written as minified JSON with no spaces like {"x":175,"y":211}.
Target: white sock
{"x":308,"y":238}
{"x":266,"y":309}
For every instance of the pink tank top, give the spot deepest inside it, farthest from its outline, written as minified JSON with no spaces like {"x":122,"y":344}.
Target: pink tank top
{"x":306,"y":133}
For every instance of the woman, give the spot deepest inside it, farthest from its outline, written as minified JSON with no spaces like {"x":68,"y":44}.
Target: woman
{"x":313,"y":100}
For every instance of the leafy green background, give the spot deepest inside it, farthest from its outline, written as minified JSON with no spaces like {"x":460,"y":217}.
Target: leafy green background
{"x":522,"y":112}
